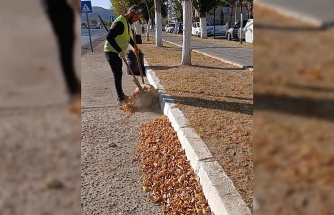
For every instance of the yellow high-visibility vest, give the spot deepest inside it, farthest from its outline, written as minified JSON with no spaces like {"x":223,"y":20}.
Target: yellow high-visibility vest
{"x":122,"y":40}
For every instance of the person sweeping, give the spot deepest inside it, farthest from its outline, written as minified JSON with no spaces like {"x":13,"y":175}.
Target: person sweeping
{"x":115,"y":47}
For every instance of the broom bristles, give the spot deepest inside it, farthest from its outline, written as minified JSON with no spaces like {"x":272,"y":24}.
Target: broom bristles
{"x":147,"y":99}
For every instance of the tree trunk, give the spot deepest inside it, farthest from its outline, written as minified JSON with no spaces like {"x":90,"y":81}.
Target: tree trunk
{"x":230,"y":22}
{"x":186,"y":49}
{"x":148,"y":30}
{"x":202,"y":21}
{"x":158,"y":26}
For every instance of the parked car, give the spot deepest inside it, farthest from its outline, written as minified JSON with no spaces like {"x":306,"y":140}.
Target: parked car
{"x":249,"y":31}
{"x":196,"y":29}
{"x":234,"y":32}
{"x":170,"y":28}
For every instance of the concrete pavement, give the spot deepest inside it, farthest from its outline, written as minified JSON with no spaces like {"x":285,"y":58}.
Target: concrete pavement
{"x":39,"y":138}
{"x":110,"y":178}
{"x":241,"y":57}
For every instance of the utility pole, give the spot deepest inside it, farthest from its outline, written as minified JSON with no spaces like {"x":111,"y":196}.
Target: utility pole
{"x":214,"y":22}
{"x":241,"y":22}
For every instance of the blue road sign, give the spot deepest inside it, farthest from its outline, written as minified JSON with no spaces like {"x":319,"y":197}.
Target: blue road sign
{"x":112,"y":18}
{"x":86,"y":7}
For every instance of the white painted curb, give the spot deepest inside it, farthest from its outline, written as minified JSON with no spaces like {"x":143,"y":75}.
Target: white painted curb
{"x":290,"y":13}
{"x":218,"y":188}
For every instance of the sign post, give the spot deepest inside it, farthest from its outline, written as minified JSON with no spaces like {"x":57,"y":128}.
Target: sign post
{"x":86,"y":7}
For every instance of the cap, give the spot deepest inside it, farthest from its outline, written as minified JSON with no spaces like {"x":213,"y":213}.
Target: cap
{"x":134,"y":8}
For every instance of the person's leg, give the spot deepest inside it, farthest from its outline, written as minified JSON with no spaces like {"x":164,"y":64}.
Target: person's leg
{"x":63,"y":26}
{"x":116,"y":64}
{"x":61,"y":17}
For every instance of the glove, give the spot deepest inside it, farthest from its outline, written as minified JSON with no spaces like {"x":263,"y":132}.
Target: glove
{"x":137,"y":50}
{"x":121,"y":55}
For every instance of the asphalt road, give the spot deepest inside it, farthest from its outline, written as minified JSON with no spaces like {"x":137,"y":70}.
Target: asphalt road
{"x":95,"y":34}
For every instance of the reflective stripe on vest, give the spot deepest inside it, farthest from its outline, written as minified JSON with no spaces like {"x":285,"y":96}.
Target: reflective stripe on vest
{"x":122,"y":40}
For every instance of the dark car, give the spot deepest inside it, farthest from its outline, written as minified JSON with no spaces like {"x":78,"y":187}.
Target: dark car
{"x":234,"y":32}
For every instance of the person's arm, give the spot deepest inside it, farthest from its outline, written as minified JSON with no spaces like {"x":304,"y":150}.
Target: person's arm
{"x":132,"y":42}
{"x":113,"y":33}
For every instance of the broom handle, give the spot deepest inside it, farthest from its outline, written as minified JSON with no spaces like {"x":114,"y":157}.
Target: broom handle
{"x":105,"y":27}
{"x":137,"y":56}
{"x":133,"y":75}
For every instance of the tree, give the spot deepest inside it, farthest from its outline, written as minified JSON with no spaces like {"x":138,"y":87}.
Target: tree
{"x":93,"y":21}
{"x":158,"y":22}
{"x":187,"y":23}
{"x":203,"y":7}
{"x":248,"y":4}
{"x":177,"y":7}
{"x":119,"y":6}
{"x":231,"y":4}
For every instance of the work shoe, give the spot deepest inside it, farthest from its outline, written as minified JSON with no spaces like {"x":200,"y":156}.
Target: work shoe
{"x":121,"y":101}
{"x":75,"y":105}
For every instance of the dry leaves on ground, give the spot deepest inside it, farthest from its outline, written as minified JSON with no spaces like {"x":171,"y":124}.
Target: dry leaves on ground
{"x":168,"y":175}
{"x":216,"y":98}
{"x":139,"y":100}
{"x":294,"y":96}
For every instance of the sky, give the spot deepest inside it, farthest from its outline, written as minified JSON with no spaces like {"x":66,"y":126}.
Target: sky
{"x":101,"y":3}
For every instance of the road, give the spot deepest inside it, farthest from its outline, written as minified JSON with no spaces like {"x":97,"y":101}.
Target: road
{"x":95,"y":34}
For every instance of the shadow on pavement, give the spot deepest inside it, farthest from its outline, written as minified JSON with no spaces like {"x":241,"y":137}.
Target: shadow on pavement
{"x":313,"y":88}
{"x":301,"y":106}
{"x":288,"y":28}
{"x":162,"y":67}
{"x":215,"y":47}
{"x":218,"y":68}
{"x":219,"y":105}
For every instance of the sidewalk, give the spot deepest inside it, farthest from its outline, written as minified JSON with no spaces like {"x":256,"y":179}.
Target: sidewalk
{"x":39,"y":138}
{"x":111,"y":182}
{"x":241,"y":57}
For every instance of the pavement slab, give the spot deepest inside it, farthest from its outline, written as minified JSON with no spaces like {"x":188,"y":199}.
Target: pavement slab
{"x":40,"y":139}
{"x":111,"y":177}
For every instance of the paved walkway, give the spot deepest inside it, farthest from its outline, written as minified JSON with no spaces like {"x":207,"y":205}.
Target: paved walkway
{"x":319,"y":12}
{"x":111,"y":182}
{"x":39,"y":138}
{"x":238,"y":56}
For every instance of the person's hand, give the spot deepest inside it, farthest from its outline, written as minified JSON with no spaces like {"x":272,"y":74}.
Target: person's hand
{"x":121,"y":55}
{"x":137,"y":50}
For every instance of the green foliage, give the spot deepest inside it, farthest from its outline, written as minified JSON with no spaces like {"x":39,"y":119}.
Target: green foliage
{"x":93,"y":21}
{"x":204,"y":6}
{"x":177,"y":6}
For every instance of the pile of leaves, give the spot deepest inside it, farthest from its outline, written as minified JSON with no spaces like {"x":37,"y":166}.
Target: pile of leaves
{"x":137,"y":100}
{"x":168,"y":175}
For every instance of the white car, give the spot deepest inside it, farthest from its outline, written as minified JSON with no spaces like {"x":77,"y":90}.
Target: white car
{"x":196,"y":29}
{"x":170,"y":28}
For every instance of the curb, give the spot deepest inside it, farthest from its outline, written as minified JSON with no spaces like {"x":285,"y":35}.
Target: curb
{"x":221,"y":59}
{"x":218,"y":188}
{"x":294,"y":14}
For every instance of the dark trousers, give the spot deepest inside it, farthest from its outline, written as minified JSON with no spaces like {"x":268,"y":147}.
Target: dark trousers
{"x":116,"y":65}
{"x":61,"y":16}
